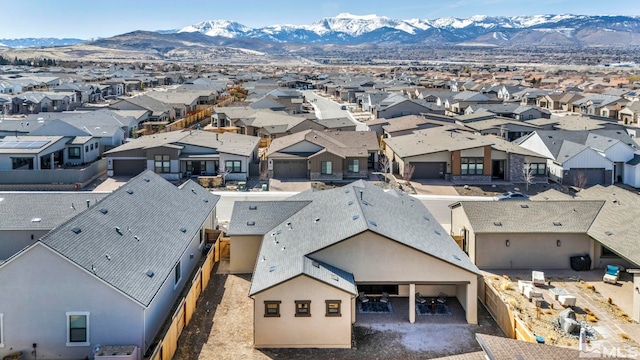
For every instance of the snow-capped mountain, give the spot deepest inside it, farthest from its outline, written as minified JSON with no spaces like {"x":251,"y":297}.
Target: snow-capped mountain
{"x":355,"y":29}
{"x":224,"y":28}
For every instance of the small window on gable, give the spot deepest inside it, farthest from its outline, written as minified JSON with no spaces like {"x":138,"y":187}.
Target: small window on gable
{"x":303,"y":308}
{"x":333,"y":308}
{"x":272,"y":309}
{"x":177,"y":273}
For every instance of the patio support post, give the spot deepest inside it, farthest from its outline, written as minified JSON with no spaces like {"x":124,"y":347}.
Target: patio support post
{"x":52,"y":165}
{"x":412,"y":303}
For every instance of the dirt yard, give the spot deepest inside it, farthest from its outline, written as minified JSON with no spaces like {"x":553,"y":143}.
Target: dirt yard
{"x":601,"y":315}
{"x":222,"y":328}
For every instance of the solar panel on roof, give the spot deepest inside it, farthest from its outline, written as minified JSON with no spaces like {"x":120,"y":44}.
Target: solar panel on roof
{"x":23,"y":144}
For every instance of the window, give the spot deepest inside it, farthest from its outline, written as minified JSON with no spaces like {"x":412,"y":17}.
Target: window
{"x":1,"y":330}
{"x":333,"y":308}
{"x":303,"y":308}
{"x":272,"y":309}
{"x":91,"y":147}
{"x":201,"y":236}
{"x":86,"y":148}
{"x":74,"y":153}
{"x":78,"y":328}
{"x":233,"y":166}
{"x":326,"y":168}
{"x":354,"y":165}
{"x":178,"y":273}
{"x":162,"y":164}
{"x":538,"y":168}
{"x":471,"y":166}
{"x":607,"y":253}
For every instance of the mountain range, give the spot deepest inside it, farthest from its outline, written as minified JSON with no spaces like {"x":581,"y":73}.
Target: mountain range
{"x":354,"y":29}
{"x":348,"y":29}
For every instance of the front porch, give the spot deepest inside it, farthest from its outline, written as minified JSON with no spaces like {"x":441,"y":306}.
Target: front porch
{"x":450,"y":313}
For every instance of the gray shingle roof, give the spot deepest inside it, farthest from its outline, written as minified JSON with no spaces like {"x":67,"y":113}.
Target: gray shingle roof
{"x":265,"y":215}
{"x":337,"y":214}
{"x":500,"y":348}
{"x":18,"y":209}
{"x":343,"y":143}
{"x":154,"y":211}
{"x":537,"y":217}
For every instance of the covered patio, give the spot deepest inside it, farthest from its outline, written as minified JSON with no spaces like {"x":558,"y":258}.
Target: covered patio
{"x":401,"y":310}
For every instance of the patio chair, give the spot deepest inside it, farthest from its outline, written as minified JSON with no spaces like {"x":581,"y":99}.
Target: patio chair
{"x":612,"y":274}
{"x":385,"y":297}
{"x":442,"y":298}
{"x":420,"y":299}
{"x":362,"y":297}
{"x":537,"y":278}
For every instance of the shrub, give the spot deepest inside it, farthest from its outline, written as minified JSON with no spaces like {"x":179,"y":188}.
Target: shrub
{"x":496,"y":278}
{"x":623,"y":314}
{"x":506,"y":277}
{"x":609,"y":301}
{"x":591,"y":318}
{"x":548,"y":312}
{"x":586,"y":310}
{"x":625,"y":336}
{"x":513,"y":303}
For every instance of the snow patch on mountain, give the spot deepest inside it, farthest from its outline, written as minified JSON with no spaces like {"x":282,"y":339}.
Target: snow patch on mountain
{"x":225,"y":28}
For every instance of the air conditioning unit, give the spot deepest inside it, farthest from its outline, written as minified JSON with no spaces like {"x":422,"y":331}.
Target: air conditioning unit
{"x":117,"y":352}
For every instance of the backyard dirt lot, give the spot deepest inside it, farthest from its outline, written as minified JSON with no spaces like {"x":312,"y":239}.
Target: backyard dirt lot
{"x":222,"y":328}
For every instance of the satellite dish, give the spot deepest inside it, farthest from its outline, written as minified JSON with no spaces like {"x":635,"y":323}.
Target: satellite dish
{"x":96,"y":349}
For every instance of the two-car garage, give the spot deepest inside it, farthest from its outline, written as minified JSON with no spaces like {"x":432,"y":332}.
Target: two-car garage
{"x":429,"y":170}
{"x":128,"y":167}
{"x":290,"y":169}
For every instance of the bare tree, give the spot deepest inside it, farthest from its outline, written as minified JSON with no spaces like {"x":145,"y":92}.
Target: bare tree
{"x":580,"y":180}
{"x":407,"y":174}
{"x":527,"y":175}
{"x":385,"y":165}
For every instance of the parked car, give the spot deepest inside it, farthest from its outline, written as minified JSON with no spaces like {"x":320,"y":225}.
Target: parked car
{"x":512,"y":195}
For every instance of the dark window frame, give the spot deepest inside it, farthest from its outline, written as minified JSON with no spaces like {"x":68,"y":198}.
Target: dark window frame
{"x":177,"y":273}
{"x":353,"y":163}
{"x":236,"y":166}
{"x":331,"y":312}
{"x":303,"y":308}
{"x":267,"y":310}
{"x":72,"y":154}
{"x":472,"y":167}
{"x":162,"y":164}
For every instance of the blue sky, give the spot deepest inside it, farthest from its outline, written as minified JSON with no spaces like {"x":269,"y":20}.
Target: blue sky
{"x":88,"y":19}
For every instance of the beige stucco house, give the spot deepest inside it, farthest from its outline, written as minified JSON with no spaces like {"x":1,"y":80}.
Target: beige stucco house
{"x":313,"y":253}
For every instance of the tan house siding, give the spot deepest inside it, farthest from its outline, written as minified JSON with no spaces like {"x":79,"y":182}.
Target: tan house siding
{"x":316,"y":166}
{"x":530,"y":251}
{"x":362,"y":255}
{"x":317,"y":330}
{"x":459,"y":224}
{"x":244,"y":251}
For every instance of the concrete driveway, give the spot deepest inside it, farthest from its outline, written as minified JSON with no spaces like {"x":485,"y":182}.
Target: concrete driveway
{"x":112,"y":183}
{"x":434,"y":187}
{"x":289,"y":185}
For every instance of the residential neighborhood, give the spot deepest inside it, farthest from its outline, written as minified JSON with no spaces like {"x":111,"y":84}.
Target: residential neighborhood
{"x":338,"y":208}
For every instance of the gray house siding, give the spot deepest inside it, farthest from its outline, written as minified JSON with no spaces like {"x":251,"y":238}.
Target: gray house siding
{"x":159,"y":309}
{"x":12,"y":241}
{"x":40,"y":287}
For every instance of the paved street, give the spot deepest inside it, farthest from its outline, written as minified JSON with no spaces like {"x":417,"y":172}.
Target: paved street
{"x":329,"y":109}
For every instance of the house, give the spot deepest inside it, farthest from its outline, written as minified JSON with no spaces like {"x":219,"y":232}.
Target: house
{"x":177,"y":154}
{"x":401,"y":106}
{"x":507,"y":129}
{"x":323,"y":155}
{"x":160,"y":111}
{"x":524,"y":234}
{"x":463,"y":99}
{"x":28,"y":216}
{"x":594,"y":157}
{"x":629,"y":115}
{"x":606,"y":106}
{"x":455,"y":155}
{"x":312,"y":254}
{"x":45,"y":152}
{"x":511,"y":110}
{"x":558,"y":101}
{"x":404,"y":125}
{"x":265,"y":123}
{"x":109,"y":275}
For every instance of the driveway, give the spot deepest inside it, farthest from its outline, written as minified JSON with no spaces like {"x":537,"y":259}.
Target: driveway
{"x":434,"y":187}
{"x":112,"y":183}
{"x":329,"y":109}
{"x":289,"y":185}
{"x":222,"y":328}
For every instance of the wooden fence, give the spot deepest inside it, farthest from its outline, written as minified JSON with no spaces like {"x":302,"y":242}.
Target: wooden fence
{"x":166,"y":348}
{"x":189,"y":120}
{"x":512,"y":326}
